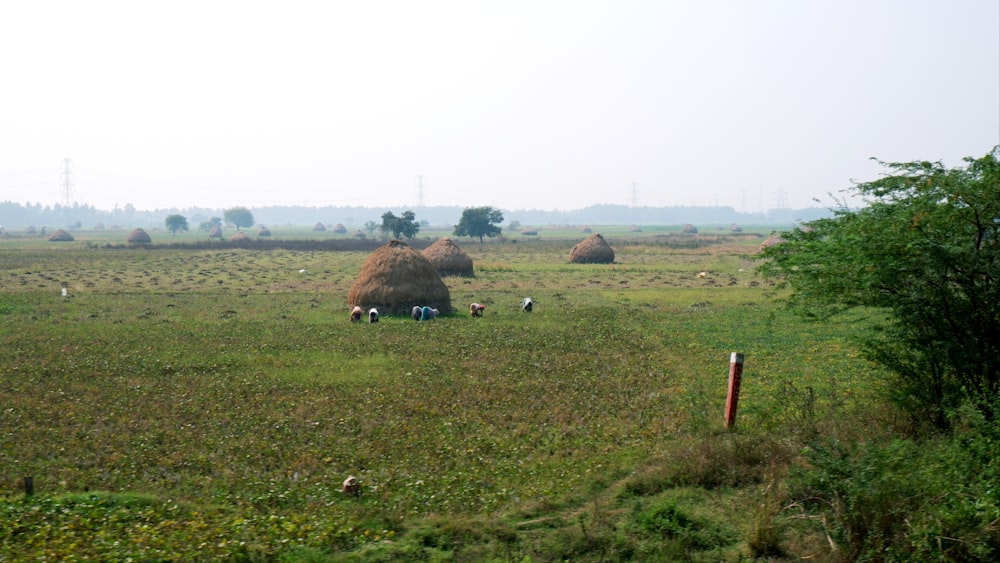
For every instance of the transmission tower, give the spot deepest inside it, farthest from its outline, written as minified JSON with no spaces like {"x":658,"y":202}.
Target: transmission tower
{"x":635,"y":194}
{"x":781,"y":199}
{"x":67,"y":183}
{"x":420,"y":190}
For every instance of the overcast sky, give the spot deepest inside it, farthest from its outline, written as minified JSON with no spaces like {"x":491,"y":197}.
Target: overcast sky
{"x":537,"y":104}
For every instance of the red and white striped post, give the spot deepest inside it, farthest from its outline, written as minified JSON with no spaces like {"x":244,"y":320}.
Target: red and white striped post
{"x":733,"y":394}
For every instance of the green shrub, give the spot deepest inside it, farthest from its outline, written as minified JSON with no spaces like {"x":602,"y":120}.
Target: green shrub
{"x":937,"y":498}
{"x":674,"y":529}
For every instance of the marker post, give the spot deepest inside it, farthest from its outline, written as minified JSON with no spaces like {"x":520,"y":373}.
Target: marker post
{"x":733,"y":393}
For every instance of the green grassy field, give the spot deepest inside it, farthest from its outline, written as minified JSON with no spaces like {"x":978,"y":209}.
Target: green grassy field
{"x":207,"y":403}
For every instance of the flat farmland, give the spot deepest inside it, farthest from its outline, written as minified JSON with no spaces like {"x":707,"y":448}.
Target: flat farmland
{"x":206,"y":402}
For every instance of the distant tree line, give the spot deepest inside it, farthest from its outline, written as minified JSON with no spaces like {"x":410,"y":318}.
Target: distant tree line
{"x":84,"y":216}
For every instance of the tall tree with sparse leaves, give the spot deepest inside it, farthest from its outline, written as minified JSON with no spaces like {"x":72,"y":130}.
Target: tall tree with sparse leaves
{"x":479,"y":222}
{"x":403,"y":226}
{"x":176,"y":223}
{"x":925,"y":250}
{"x":239,"y":216}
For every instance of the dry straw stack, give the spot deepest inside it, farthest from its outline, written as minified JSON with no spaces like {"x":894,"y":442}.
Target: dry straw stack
{"x":395,"y":278}
{"x":592,"y":250}
{"x":448,"y":259}
{"x":61,"y":235}
{"x":771,"y":241}
{"x":139,"y":236}
{"x":239,"y":235}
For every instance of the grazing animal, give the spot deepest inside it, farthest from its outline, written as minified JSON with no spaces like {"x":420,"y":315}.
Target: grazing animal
{"x":416,"y":312}
{"x":426,"y":313}
{"x":476,"y":309}
{"x":373,"y":315}
{"x":356,"y":313}
{"x":527,"y":304}
{"x":351,"y":486}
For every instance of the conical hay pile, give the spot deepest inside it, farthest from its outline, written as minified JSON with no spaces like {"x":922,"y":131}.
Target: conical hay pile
{"x":139,"y":236}
{"x":61,"y":236}
{"x":448,"y":258}
{"x":239,"y":235}
{"x":396,"y":277}
{"x":339,"y":228}
{"x":592,"y":250}
{"x":264,"y":232}
{"x":771,"y":241}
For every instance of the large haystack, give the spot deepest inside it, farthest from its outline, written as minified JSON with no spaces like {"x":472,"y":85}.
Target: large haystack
{"x":239,"y":235}
{"x":139,"y":236}
{"x":264,"y":232}
{"x":771,"y":241}
{"x":592,"y":250}
{"x":448,"y":258}
{"x":395,"y":278}
{"x":689,"y":229}
{"x":319,"y":227}
{"x":340,"y":229}
{"x":61,"y":235}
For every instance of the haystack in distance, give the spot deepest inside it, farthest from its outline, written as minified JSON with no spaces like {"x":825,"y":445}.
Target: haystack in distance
{"x":592,"y":250}
{"x":139,"y":236}
{"x":61,"y":235}
{"x":448,"y":259}
{"x":396,"y":277}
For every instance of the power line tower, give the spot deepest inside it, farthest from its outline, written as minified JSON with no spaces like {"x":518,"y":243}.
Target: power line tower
{"x":635,"y":194}
{"x":781,"y":199}
{"x":67,"y":183}
{"x":420,"y":190}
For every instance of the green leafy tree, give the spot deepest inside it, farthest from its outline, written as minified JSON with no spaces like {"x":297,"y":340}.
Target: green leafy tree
{"x":479,"y":222}
{"x":371,"y":227}
{"x":925,"y":250}
{"x":176,"y":223}
{"x":239,"y":216}
{"x":403,"y":226}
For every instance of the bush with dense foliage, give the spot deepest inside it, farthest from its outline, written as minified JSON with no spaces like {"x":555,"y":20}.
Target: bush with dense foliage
{"x":924,"y":249}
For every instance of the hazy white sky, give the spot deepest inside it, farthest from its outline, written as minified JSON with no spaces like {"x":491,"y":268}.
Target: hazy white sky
{"x":539,"y":104}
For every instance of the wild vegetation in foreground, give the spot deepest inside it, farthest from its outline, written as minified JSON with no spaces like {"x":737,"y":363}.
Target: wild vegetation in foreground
{"x":206,"y":404}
